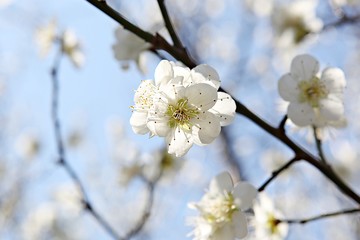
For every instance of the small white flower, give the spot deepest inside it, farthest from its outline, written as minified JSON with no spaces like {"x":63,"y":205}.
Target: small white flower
{"x":45,"y":37}
{"x":267,"y":225}
{"x":295,"y":20}
{"x":342,"y":3}
{"x":129,"y":47}
{"x":183,"y":106}
{"x":221,"y":210}
{"x":28,"y":145}
{"x":314,"y":100}
{"x":72,"y":48}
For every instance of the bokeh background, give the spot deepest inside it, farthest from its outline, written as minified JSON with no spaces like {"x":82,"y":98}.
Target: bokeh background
{"x":241,"y":40}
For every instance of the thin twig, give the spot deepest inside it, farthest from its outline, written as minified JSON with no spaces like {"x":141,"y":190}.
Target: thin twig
{"x":342,"y":21}
{"x":276,"y":173}
{"x":169,"y":25}
{"x":147,"y":211}
{"x":319,"y":146}
{"x":327,"y":215}
{"x":62,"y":154}
{"x":181,"y":55}
{"x":282,"y":123}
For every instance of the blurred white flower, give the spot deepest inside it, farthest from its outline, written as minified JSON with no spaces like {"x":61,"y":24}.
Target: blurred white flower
{"x":129,"y":47}
{"x":272,"y":160}
{"x":5,"y":3}
{"x":221,"y":210}
{"x":160,"y":162}
{"x":183,"y":106}
{"x":266,"y":223}
{"x":28,"y":145}
{"x":72,"y":48}
{"x":68,"y":199}
{"x":38,"y":222}
{"x":314,"y":100}
{"x":345,"y":2}
{"x":45,"y":37}
{"x":295,"y":20}
{"x":260,"y":7}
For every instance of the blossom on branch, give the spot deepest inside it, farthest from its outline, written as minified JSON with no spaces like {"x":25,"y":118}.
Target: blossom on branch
{"x":221,"y":210}
{"x":72,"y":48}
{"x":183,"y":106}
{"x":294,"y":21}
{"x":129,"y":47}
{"x":266,"y":223}
{"x":45,"y":37}
{"x":48,"y":35}
{"x":314,"y":99}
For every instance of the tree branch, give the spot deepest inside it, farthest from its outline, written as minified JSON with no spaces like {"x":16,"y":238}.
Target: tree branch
{"x":276,"y":173}
{"x":322,"y":216}
{"x":168,"y":24}
{"x":61,"y":150}
{"x":181,"y":55}
{"x":319,"y":146}
{"x":146,"y":214}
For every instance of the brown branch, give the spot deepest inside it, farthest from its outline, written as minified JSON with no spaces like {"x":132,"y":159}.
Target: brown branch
{"x":169,"y":25}
{"x":322,"y":216}
{"x":277,"y":172}
{"x":319,"y":145}
{"x":62,"y":154}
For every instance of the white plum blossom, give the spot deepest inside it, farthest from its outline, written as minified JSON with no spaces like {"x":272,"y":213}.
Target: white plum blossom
{"x":221,"y":215}
{"x":48,"y":35}
{"x":295,"y":20}
{"x":183,"y":106}
{"x":72,"y":48}
{"x":266,"y":223}
{"x":45,"y":37}
{"x":129,"y":47}
{"x":314,"y":99}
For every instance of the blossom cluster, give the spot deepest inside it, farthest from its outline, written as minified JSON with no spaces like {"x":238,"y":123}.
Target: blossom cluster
{"x":48,"y":34}
{"x":221,"y":215}
{"x":183,"y":106}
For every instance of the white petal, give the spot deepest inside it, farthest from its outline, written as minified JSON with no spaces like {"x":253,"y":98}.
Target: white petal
{"x":288,"y":88}
{"x":205,"y":74}
{"x":183,"y":72}
{"x":246,"y":193}
{"x":224,"y":108}
{"x":138,"y":122}
{"x":163,"y":72}
{"x":159,"y":127}
{"x":240,"y":224}
{"x":206,"y":127}
{"x":202,"y":96}
{"x":304,"y":67}
{"x":220,"y":183}
{"x":301,"y":114}
{"x":179,"y":142}
{"x":331,"y":108}
{"x":225,"y":232}
{"x":334,"y":80}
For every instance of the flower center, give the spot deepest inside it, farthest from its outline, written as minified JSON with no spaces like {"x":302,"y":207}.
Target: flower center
{"x":312,"y":91}
{"x":220,"y":208}
{"x":145,"y":94}
{"x":272,"y":224}
{"x":180,"y":114}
